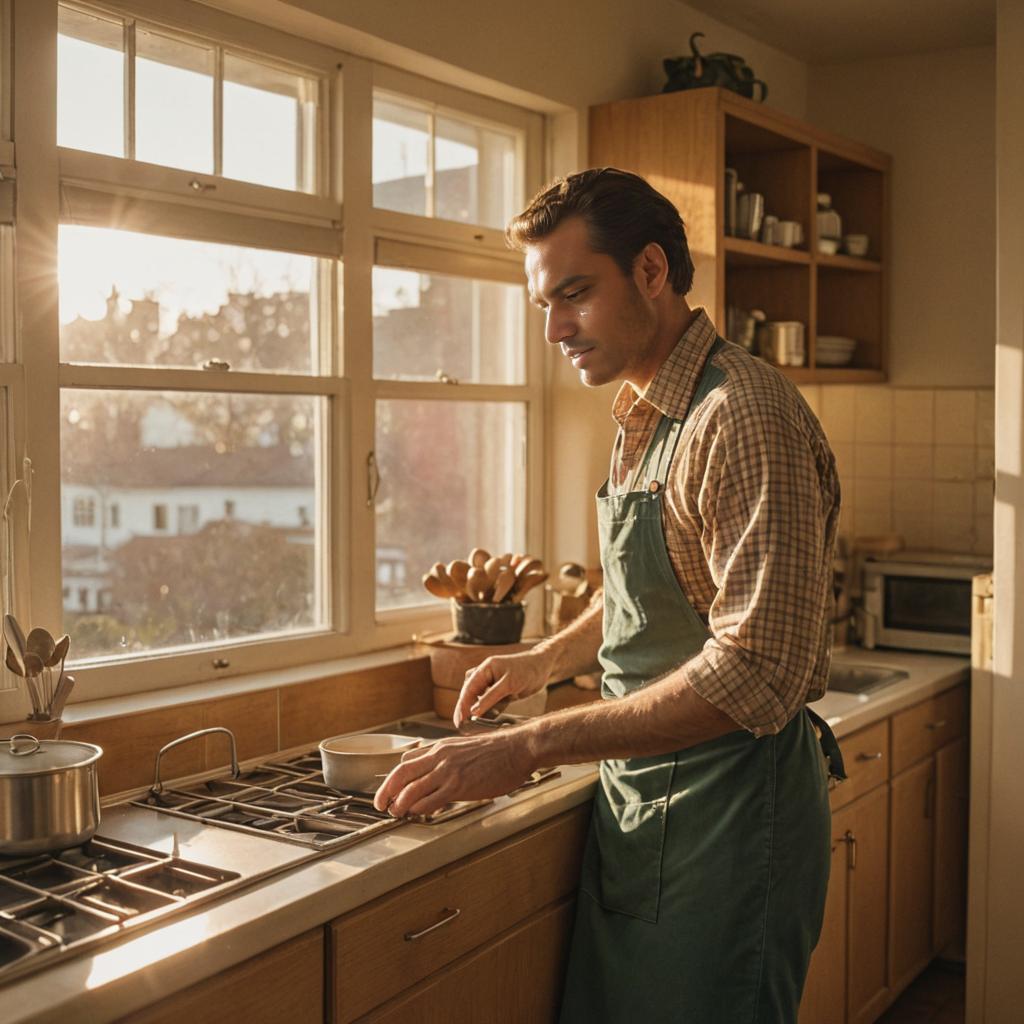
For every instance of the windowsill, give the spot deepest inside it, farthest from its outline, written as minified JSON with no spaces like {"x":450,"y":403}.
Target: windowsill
{"x":177,"y":696}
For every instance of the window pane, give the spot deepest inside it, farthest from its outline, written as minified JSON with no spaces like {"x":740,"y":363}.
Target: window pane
{"x":90,"y":83}
{"x":401,"y":152}
{"x":206,"y":543}
{"x":173,"y":102}
{"x":425,"y":324}
{"x":452,"y":478}
{"x":474,"y":173}
{"x":137,"y":299}
{"x":269,"y":125}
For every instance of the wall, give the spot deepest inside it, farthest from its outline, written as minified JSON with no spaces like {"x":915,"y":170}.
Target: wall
{"x":572,"y":53}
{"x":914,"y":461}
{"x":935,"y":113}
{"x":999,"y":994}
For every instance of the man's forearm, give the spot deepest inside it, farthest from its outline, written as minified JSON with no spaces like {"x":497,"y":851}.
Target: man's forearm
{"x":573,"y":650}
{"x":663,"y":717}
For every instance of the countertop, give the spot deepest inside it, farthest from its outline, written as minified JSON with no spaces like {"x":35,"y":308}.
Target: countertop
{"x":118,"y":979}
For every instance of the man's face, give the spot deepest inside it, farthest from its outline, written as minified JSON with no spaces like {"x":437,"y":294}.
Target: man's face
{"x":595,"y":314}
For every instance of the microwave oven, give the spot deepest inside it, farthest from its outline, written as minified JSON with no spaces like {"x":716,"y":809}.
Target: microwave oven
{"x":918,"y":601}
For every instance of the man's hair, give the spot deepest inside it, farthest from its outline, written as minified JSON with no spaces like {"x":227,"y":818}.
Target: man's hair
{"x":623,"y":214}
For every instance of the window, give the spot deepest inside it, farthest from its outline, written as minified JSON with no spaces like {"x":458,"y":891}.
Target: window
{"x":249,"y":426}
{"x":83,"y":512}
{"x":457,"y":381}
{"x":439,"y":164}
{"x":197,"y":106}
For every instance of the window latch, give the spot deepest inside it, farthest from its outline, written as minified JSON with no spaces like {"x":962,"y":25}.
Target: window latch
{"x":216,"y":364}
{"x":201,"y":186}
{"x":445,"y":379}
{"x":372,"y":479}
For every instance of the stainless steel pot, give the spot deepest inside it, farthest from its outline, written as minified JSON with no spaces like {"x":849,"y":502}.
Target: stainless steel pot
{"x":49,"y":794}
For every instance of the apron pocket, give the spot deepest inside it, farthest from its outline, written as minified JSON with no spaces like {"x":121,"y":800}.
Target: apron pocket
{"x":622,"y":863}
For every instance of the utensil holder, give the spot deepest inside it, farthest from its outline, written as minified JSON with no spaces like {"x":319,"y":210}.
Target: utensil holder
{"x":484,"y":623}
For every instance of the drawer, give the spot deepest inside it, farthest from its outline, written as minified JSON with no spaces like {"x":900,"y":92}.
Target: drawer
{"x":401,"y":938}
{"x":866,"y":756}
{"x":922,"y":729}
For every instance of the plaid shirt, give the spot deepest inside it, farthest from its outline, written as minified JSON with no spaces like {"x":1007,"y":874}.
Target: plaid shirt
{"x":750,"y":519}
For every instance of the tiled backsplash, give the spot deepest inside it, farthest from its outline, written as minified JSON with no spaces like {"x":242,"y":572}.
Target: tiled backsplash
{"x":916,"y":462}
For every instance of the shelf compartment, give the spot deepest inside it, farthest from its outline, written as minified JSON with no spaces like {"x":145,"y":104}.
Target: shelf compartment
{"x":775,"y":165}
{"x":858,"y":195}
{"x":850,"y":303}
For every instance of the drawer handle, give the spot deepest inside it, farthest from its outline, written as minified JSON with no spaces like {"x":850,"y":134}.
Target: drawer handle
{"x":451,"y":915}
{"x":876,"y":756}
{"x":940,"y":724}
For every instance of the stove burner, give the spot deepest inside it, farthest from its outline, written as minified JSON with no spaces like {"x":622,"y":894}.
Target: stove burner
{"x":287,"y":800}
{"x":50,"y":904}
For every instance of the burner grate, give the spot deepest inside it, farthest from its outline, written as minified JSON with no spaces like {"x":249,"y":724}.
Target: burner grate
{"x":51,"y":904}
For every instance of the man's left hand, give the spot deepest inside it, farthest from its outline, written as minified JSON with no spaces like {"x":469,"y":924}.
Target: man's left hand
{"x":459,"y":768}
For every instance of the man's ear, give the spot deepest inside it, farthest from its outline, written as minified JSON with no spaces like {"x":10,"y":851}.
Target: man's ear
{"x":650,"y":270}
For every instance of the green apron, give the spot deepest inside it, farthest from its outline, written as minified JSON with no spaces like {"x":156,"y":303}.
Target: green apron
{"x":704,"y":877}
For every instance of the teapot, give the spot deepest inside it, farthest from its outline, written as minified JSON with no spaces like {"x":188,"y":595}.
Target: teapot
{"x":700,"y":71}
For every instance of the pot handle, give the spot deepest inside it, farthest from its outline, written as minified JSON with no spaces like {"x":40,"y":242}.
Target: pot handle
{"x":31,"y":748}
{"x":158,"y":786}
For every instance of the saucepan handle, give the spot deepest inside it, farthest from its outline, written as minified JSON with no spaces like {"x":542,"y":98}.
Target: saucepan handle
{"x":158,"y":786}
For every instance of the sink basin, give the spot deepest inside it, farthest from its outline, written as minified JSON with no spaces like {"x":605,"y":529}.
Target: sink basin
{"x":863,"y":679}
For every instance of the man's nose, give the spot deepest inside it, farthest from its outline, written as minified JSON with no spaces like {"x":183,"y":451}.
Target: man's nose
{"x":558,"y":326}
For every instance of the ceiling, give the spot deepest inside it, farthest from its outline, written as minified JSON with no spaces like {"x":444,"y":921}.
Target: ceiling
{"x":835,"y":31}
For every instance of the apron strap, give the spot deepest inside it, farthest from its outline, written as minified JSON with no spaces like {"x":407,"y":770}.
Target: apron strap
{"x":829,"y":745}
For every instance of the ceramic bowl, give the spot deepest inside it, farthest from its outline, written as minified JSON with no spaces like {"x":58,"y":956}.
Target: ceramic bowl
{"x":356,"y":763}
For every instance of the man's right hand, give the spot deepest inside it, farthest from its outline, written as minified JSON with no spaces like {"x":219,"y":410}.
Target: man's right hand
{"x":511,"y":676}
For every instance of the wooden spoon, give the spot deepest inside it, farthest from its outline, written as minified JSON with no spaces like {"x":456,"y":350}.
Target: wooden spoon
{"x":526,"y":583}
{"x":458,"y":571}
{"x":528,"y":564}
{"x":478,"y":557}
{"x":477,"y":584}
{"x":503,"y":583}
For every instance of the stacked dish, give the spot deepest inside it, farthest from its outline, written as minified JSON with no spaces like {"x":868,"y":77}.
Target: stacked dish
{"x":834,"y":350}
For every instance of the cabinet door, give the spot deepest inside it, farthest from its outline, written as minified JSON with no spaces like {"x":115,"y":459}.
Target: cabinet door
{"x":951,"y":788}
{"x":868,"y":913}
{"x":284,"y":984}
{"x":515,"y":979}
{"x":912,"y":841}
{"x":824,"y":998}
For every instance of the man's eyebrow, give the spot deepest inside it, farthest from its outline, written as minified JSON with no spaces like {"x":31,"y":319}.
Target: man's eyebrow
{"x":566,"y":282}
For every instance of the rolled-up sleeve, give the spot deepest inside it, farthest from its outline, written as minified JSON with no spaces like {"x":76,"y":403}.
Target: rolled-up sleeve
{"x":766,"y":504}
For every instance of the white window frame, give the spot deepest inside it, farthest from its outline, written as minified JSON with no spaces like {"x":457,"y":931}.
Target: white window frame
{"x":62,"y":185}
{"x":434,"y":245}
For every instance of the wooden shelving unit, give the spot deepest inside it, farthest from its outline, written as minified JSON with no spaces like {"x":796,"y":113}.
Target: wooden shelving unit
{"x":682,"y":142}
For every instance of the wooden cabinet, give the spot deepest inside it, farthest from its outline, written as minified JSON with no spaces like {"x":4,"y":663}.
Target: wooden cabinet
{"x":284,"y":984}
{"x":868,"y":970}
{"x":848,"y":975}
{"x":434,"y":928}
{"x":512,"y":979}
{"x":682,"y":142}
{"x":897,"y":891}
{"x":824,"y":999}
{"x":951,"y":788}
{"x":911,"y":851}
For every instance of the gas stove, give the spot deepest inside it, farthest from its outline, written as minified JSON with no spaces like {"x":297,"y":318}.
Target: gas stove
{"x":179,"y":846}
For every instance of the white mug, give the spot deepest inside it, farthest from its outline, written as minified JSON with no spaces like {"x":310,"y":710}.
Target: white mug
{"x":789,"y":233}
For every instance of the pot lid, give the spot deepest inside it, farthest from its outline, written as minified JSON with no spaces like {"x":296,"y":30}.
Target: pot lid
{"x":22,"y":755}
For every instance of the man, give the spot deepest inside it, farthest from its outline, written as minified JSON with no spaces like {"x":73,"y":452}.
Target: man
{"x":704,"y":878}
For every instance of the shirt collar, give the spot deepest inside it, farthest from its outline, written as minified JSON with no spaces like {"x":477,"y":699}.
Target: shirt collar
{"x":674,"y":384}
